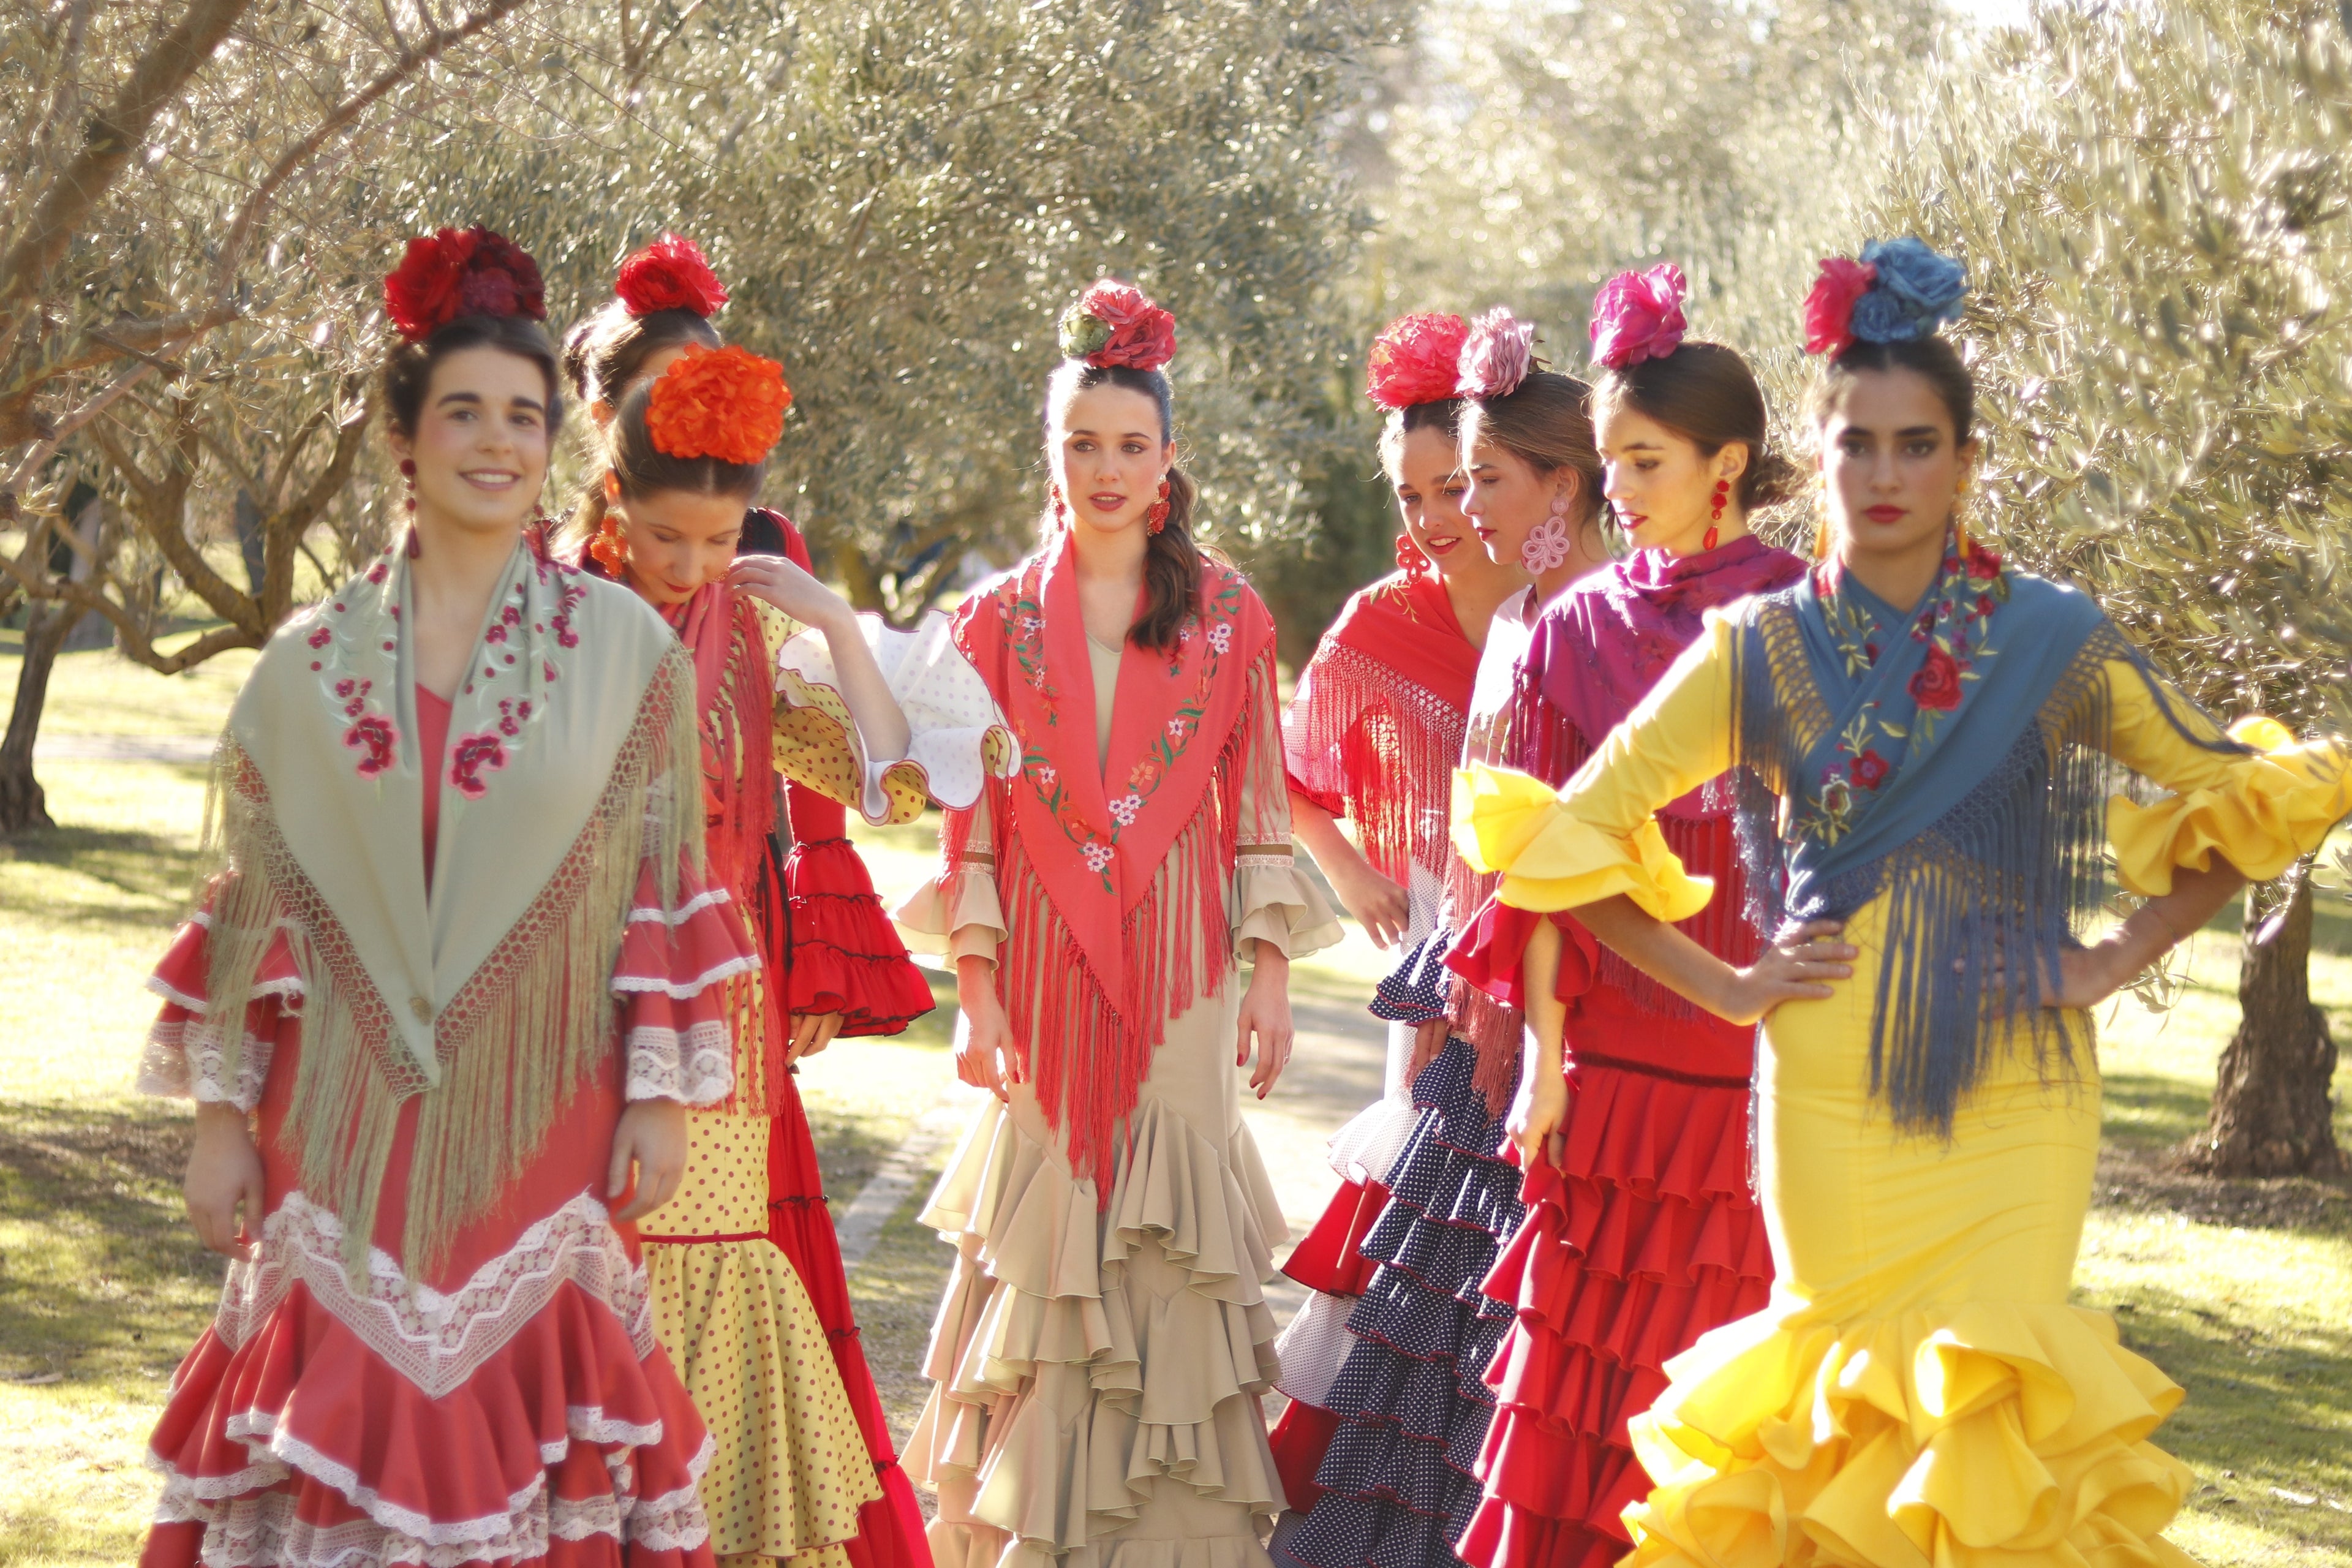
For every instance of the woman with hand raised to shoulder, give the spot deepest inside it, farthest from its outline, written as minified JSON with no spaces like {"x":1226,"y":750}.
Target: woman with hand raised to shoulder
{"x":1102,"y":1349}
{"x":1935,"y":731}
{"x":433,"y":1010}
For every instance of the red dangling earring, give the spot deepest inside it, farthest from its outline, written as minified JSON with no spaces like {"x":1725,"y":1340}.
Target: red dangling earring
{"x":408,"y":475}
{"x":1061,"y":510}
{"x":610,"y":548}
{"x":1715,"y":513}
{"x":1409,"y":558}
{"x":1155,"y":519}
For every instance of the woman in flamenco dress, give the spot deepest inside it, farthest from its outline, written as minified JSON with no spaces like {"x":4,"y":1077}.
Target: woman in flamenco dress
{"x":1642,"y":1230}
{"x":1396,"y":1483}
{"x":1938,"y":729}
{"x":1374,"y":735}
{"x":731,"y":1308}
{"x":442,"y":1013}
{"x":1104,"y":1341}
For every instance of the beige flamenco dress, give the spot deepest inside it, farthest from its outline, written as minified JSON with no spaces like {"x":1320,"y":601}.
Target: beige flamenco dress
{"x":1104,"y":1344}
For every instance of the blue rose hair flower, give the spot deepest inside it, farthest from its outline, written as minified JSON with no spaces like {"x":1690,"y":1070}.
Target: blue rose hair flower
{"x":1915,"y":291}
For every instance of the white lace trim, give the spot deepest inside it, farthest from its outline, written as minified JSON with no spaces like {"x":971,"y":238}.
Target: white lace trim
{"x":256,"y":1528}
{"x":166,"y":1068}
{"x":694,"y":1069}
{"x":438,"y":1341}
{"x":686,"y":990}
{"x":647,"y":913}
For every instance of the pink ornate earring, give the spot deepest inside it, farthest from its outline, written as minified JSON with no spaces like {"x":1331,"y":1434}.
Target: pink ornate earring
{"x":1548,"y":544}
{"x":1409,"y":558}
{"x":1061,"y":508}
{"x":1156,"y":516}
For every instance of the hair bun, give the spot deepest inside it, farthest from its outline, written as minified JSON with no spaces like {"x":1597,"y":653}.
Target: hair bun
{"x":455,"y":272}
{"x":1497,"y":355}
{"x":1901,"y":290}
{"x":1117,"y":324}
{"x":727,"y":403}
{"x":1639,"y":315}
{"x":670,"y":274}
{"x":1416,"y":359}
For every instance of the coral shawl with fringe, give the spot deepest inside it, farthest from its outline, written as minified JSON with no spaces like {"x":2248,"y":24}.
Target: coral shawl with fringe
{"x":1918,"y":1389}
{"x":451,"y":939}
{"x":1111,"y":875}
{"x":1646,"y":1233}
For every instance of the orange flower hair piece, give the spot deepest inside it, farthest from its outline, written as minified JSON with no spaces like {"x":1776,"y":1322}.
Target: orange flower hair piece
{"x":727,"y":403}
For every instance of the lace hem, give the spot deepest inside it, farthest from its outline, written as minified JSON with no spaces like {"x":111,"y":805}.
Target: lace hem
{"x":696,"y":1067}
{"x":436,"y":1341}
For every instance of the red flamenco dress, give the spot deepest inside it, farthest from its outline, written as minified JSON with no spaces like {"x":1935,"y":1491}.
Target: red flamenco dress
{"x":1647,"y":1234}
{"x":1372,"y":736}
{"x":515,"y":1409}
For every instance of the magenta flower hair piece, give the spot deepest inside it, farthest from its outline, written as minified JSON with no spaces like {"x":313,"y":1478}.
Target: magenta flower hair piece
{"x":1638,"y":316}
{"x":1497,"y":355}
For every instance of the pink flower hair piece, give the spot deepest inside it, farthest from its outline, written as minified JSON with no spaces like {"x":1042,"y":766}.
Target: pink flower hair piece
{"x":1495,"y":356}
{"x":1829,"y":308}
{"x":1638,"y":316}
{"x":1115,"y":323}
{"x":1416,"y":359}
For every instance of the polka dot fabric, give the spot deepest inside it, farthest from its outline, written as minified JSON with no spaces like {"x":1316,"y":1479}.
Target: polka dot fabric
{"x":791,"y":1469}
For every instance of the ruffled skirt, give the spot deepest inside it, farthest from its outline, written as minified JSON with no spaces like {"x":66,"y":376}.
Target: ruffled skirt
{"x":1098,"y":1369}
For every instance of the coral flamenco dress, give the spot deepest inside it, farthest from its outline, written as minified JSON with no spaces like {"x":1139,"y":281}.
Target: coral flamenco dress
{"x":1372,"y":735}
{"x":1647,"y":1233}
{"x":1104,"y":1341}
{"x":749,"y":1296}
{"x":452,"y":941}
{"x":1917,"y":1390}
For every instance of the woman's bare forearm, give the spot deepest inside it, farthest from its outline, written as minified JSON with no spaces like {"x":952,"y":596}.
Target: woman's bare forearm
{"x":1547,"y":1014}
{"x":1320,"y":831}
{"x":1664,"y":953}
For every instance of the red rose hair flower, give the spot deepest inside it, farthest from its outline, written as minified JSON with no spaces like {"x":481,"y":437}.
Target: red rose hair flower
{"x":1829,"y":308}
{"x":1416,"y":359}
{"x":1114,"y":324}
{"x":727,"y":403}
{"x":1639,"y":315}
{"x":670,"y":274}
{"x":456,"y":272}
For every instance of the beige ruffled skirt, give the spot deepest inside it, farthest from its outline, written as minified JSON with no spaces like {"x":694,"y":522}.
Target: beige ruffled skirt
{"x":1098,"y":1372}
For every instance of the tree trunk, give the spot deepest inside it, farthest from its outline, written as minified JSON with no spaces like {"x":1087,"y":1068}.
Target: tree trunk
{"x":2272,"y":1110}
{"x":22,"y":804}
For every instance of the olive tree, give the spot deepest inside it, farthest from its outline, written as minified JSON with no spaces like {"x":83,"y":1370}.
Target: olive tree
{"x":2157,"y":213}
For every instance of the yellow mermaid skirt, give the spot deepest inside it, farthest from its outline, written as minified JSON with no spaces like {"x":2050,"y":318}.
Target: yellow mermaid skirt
{"x":1918,"y":1395}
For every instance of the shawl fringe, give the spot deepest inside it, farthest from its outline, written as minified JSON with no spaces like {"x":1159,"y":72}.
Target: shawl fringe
{"x":1085,"y":1051}
{"x":1363,"y":733}
{"x":1981,"y":904}
{"x":520,"y":1035}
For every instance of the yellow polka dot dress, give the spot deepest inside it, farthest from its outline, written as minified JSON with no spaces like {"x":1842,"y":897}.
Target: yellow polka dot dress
{"x":791,"y":1469}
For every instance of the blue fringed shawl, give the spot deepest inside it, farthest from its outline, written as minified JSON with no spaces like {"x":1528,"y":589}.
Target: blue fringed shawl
{"x":1953,"y":759}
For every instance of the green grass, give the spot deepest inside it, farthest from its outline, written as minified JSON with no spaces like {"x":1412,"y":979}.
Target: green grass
{"x":2242,"y":1291}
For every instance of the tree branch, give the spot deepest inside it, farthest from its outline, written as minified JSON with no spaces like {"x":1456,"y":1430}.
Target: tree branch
{"x":59,"y":432}
{"x":338,"y":120}
{"x":111,"y":137}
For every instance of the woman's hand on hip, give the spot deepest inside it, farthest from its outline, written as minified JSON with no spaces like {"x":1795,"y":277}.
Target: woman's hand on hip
{"x":1799,"y":967}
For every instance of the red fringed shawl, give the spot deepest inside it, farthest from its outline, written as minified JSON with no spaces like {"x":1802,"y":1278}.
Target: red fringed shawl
{"x":1112,"y":878}
{"x":1376,"y":728}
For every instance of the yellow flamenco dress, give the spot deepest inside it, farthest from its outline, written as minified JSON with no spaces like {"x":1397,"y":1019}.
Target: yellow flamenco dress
{"x":1918,"y":1393}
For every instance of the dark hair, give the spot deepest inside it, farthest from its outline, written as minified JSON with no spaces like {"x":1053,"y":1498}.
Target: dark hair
{"x":1546,"y":423}
{"x":1443,"y":416}
{"x":644,"y":469}
{"x":1706,"y":394}
{"x":1932,"y":358}
{"x":604,"y":353}
{"x":408,"y":372}
{"x":1171,"y":563}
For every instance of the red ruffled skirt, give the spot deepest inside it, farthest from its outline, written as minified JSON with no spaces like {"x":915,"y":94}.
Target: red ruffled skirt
{"x":1645,"y":1237}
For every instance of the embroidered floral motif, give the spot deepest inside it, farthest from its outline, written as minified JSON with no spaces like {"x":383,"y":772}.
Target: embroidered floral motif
{"x":375,"y":739}
{"x":1124,"y":809}
{"x":467,"y":760}
{"x":1098,"y":856}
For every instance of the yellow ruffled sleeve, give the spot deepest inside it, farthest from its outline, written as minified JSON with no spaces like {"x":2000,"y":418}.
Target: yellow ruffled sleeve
{"x":2260,"y":812}
{"x":1598,"y":837}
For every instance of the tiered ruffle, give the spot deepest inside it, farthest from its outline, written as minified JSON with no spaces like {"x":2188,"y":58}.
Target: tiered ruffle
{"x":1982,"y":1432}
{"x":528,"y":1417}
{"x":845,"y":956}
{"x":1065,"y":1398}
{"x":1411,"y":1407}
{"x":890,"y":1529}
{"x":1645,"y":1236}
